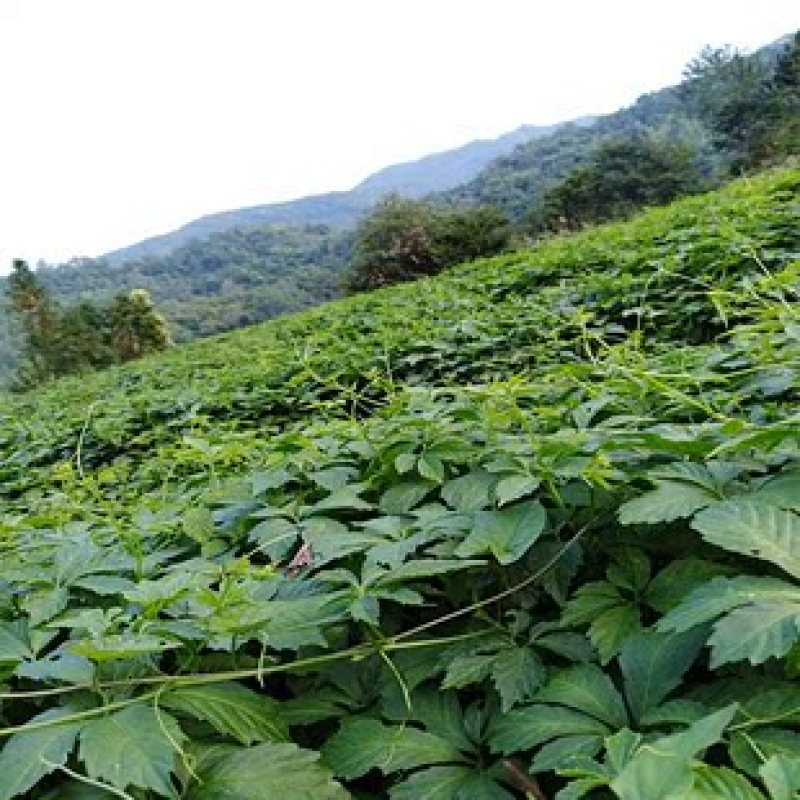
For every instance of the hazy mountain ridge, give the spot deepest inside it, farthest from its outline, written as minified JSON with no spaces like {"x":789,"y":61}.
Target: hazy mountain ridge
{"x":436,"y":172}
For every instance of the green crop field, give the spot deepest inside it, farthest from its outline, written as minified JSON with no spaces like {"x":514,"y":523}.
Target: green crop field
{"x":528,"y":529}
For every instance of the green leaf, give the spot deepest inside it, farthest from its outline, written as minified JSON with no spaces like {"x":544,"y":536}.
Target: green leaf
{"x":678,"y":580}
{"x":781,"y":776}
{"x":449,"y":783}
{"x":528,"y":727}
{"x":515,"y":488}
{"x":400,"y":499}
{"x":670,"y":501}
{"x":517,"y":673}
{"x":756,"y":633}
{"x":425,"y":568}
{"x":132,"y":747}
{"x":364,"y":744}
{"x":29,"y":756}
{"x":654,"y":663}
{"x":232,"y":709}
{"x":588,"y":689}
{"x":660,"y":770}
{"x":274,"y":770}
{"x":430,"y":468}
{"x":559,"y":753}
{"x":783,"y":491}
{"x":468,"y":493}
{"x":465,"y":670}
{"x":506,"y":534}
{"x":749,"y":748}
{"x":721,"y":783}
{"x":14,"y":645}
{"x":753,"y":529}
{"x":721,"y":595}
{"x":198,"y":524}
{"x":611,"y":629}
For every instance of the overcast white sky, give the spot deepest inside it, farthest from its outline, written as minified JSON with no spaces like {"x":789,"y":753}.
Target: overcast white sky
{"x":126,"y":118}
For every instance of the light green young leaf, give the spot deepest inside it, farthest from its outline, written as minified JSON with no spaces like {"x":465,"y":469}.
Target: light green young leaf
{"x":274,"y":770}
{"x":29,"y":756}
{"x":506,"y":534}
{"x":721,"y":783}
{"x":753,"y":529}
{"x":132,"y":747}
{"x":232,"y":709}
{"x":781,"y":776}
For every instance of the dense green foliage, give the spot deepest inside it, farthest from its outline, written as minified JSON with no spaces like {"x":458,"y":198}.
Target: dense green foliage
{"x":65,"y":340}
{"x":526,"y":529}
{"x":622,"y":175}
{"x":751,"y":105}
{"x":405,"y":239}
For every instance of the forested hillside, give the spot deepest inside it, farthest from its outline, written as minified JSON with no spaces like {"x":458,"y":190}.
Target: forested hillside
{"x":526,"y":529}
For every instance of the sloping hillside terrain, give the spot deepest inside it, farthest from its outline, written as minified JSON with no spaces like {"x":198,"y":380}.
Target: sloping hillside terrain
{"x":526,"y":529}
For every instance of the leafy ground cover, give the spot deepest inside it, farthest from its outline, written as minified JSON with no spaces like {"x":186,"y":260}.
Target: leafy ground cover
{"x":527,"y":529}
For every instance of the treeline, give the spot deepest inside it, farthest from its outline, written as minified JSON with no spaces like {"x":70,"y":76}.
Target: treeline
{"x":62,"y":340}
{"x":748,"y":111}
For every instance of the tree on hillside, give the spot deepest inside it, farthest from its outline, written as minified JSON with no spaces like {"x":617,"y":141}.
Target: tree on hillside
{"x":136,"y":328}
{"x":623,"y":174}
{"x":39,"y":317}
{"x":405,"y":239}
{"x":63,"y":341}
{"x":750,"y":104}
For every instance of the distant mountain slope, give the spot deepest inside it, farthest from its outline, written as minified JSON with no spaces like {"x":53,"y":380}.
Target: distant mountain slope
{"x":434,"y":173}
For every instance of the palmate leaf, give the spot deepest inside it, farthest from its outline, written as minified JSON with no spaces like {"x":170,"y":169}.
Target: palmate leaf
{"x":29,"y":756}
{"x":560,"y":752}
{"x":232,"y":709}
{"x":364,"y":744}
{"x":132,"y":747}
{"x":274,"y":770}
{"x":754,"y":529}
{"x":661,"y":770}
{"x":449,"y":783}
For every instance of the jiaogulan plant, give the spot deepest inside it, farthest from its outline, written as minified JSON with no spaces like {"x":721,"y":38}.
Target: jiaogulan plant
{"x":526,"y":529}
